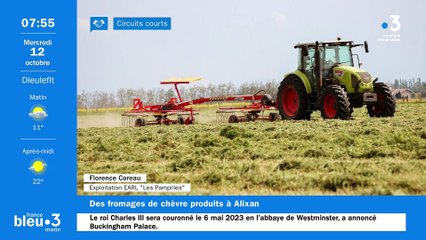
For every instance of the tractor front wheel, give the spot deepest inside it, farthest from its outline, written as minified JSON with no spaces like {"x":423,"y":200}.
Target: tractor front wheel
{"x":334,"y":103}
{"x":292,"y":99}
{"x":385,"y":105}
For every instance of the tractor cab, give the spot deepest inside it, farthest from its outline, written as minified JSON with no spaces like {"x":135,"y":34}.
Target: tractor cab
{"x":330,"y":55}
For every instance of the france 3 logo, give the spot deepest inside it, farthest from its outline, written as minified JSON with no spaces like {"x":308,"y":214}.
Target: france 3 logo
{"x":50,"y":223}
{"x":98,"y":23}
{"x":394,"y":24}
{"x":390,"y":29}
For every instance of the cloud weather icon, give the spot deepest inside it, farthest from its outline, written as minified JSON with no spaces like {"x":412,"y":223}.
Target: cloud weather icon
{"x":38,"y":113}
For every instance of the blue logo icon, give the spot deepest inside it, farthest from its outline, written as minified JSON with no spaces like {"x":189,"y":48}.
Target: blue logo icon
{"x":98,"y":23}
{"x":394,"y":25}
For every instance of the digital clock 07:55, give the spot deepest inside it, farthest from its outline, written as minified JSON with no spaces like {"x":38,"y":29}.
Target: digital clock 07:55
{"x":38,"y":22}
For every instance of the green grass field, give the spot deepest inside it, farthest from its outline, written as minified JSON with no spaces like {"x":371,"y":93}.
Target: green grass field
{"x":362,"y":156}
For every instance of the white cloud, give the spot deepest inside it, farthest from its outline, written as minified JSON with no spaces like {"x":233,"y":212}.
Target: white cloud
{"x":279,"y":18}
{"x":38,"y":115}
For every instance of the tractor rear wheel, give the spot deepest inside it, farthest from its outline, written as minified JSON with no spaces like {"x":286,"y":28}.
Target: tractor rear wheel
{"x":334,"y":103}
{"x":386,"y":105}
{"x":292,"y":99}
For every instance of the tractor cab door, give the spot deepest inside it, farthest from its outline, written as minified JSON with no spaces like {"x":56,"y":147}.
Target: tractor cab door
{"x":308,"y":63}
{"x":330,"y":57}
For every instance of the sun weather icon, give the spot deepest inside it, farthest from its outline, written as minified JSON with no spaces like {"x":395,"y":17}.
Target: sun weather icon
{"x":38,"y":166}
{"x":38,"y":113}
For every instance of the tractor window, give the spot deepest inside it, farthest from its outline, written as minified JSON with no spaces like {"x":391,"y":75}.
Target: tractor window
{"x":345,"y":56}
{"x":309,"y":60}
{"x":330,"y":58}
{"x":337,"y":54}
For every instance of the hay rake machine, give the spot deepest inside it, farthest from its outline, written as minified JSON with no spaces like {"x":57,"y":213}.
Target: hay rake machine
{"x":177,"y":111}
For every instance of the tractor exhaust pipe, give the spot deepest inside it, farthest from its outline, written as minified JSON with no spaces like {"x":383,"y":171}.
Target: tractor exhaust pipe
{"x":366,"y":47}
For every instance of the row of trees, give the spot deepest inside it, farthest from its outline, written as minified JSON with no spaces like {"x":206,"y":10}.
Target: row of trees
{"x":123,"y":97}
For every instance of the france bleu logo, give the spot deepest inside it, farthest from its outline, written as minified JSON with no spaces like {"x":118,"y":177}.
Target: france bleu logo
{"x":98,"y":23}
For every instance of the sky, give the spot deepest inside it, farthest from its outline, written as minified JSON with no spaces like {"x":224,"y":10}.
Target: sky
{"x":241,"y":40}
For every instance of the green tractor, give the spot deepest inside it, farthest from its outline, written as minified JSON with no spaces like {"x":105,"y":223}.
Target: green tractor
{"x":327,"y":80}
